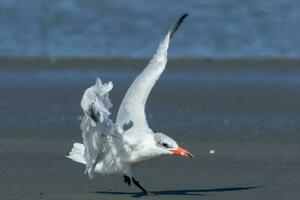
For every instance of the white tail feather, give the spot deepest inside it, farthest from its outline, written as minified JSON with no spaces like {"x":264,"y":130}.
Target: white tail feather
{"x":77,"y":153}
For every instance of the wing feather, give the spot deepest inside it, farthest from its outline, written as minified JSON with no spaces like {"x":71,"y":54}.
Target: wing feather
{"x":133,"y":105}
{"x":97,"y":128}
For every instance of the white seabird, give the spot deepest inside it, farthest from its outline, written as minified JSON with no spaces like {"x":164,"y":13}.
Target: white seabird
{"x":110,"y":147}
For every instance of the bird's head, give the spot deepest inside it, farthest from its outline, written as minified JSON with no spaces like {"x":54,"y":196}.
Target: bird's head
{"x":169,"y":146}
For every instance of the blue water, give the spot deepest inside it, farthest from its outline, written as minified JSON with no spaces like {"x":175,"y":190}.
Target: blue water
{"x":132,"y":29}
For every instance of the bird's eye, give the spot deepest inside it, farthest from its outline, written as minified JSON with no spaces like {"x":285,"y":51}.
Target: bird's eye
{"x":165,"y":145}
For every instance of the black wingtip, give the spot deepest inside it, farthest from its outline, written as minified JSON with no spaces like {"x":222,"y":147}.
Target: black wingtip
{"x":177,"y":23}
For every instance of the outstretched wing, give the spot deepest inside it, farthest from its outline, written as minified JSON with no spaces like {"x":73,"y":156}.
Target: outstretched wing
{"x":133,"y":105}
{"x":97,"y":128}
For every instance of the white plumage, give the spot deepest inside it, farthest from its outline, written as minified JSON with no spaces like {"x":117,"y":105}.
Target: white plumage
{"x":110,"y":147}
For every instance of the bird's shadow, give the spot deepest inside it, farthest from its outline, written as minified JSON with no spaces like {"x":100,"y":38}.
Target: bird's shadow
{"x":186,"y":192}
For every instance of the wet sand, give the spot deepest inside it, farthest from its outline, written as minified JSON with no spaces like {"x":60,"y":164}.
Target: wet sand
{"x":249,"y":116}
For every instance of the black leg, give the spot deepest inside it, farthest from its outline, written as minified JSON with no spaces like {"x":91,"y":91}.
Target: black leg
{"x":127,"y":179}
{"x":139,"y":186}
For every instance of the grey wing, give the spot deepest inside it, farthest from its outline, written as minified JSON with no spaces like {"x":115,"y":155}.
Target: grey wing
{"x":133,"y":105}
{"x":97,"y":128}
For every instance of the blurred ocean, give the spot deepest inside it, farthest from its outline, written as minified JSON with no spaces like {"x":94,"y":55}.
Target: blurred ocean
{"x":132,"y":29}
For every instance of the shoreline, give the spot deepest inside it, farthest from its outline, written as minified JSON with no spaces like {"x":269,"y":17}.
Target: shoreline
{"x":41,"y":63}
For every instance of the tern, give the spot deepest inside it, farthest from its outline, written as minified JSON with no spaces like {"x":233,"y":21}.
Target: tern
{"x":110,"y":147}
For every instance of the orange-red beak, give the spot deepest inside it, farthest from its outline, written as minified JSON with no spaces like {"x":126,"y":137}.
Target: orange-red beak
{"x":182,"y":152}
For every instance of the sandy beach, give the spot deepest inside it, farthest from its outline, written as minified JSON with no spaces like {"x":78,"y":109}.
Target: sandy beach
{"x":247,"y":111}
